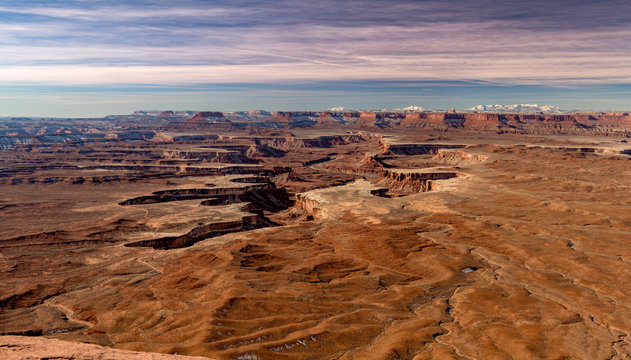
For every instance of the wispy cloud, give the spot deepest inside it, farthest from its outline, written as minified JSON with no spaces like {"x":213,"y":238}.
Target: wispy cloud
{"x":443,"y":52}
{"x":75,"y":42}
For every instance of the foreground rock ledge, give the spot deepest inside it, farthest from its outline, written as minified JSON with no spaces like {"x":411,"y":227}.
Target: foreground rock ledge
{"x":26,"y":348}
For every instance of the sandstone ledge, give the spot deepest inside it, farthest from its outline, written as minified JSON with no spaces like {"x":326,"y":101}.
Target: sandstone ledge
{"x":26,"y":348}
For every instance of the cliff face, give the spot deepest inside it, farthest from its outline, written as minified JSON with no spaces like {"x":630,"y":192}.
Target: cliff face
{"x":489,"y":122}
{"x":369,"y":120}
{"x":454,"y":157}
{"x":162,"y":137}
{"x":291,"y":142}
{"x":329,"y":119}
{"x":295,"y":118}
{"x":413,"y":148}
{"x":166,"y":114}
{"x":372,"y":162}
{"x":130,"y":127}
{"x":202,"y":120}
{"x":248,"y":222}
{"x":204,"y":117}
{"x":263,"y":150}
{"x":411,"y":181}
{"x":515,"y":123}
{"x":309,"y":204}
{"x":25,"y":347}
{"x":423,"y":120}
{"x":614,"y":120}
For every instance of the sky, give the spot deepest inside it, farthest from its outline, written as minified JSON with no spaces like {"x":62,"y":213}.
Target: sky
{"x":76,"y":58}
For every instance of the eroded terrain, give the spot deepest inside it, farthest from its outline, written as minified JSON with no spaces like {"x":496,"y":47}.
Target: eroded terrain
{"x":319,"y":242}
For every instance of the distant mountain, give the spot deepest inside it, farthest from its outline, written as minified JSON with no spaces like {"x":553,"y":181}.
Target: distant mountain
{"x":517,"y":108}
{"x":336,"y":109}
{"x":410,"y":109}
{"x":147,"y":112}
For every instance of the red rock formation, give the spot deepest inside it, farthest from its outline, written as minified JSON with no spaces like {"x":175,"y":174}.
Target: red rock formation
{"x":527,"y":123}
{"x":295,"y":118}
{"x":622,"y":120}
{"x":351,"y":114}
{"x":165,"y":114}
{"x":327,"y":119}
{"x":203,"y":120}
{"x":199,"y":233}
{"x":25,"y":347}
{"x":414,"y":148}
{"x":369,"y":120}
{"x":410,"y":182}
{"x":310,"y":205}
{"x":162,"y":137}
{"x":263,"y":150}
{"x":489,"y":122}
{"x":454,"y":120}
{"x":206,"y":117}
{"x":290,"y":142}
{"x":424,"y":120}
{"x":371,"y":162}
{"x":282,"y":116}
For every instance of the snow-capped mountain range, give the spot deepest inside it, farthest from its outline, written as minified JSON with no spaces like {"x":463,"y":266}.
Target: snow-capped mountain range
{"x":409,"y":109}
{"x":336,"y":109}
{"x":517,"y":108}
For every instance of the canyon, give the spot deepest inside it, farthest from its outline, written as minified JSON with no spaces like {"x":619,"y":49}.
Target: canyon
{"x":316,"y":235}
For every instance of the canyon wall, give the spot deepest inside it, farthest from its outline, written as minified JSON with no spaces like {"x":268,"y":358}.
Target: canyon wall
{"x":601,"y":123}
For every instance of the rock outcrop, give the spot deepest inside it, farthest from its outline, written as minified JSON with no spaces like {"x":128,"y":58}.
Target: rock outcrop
{"x":413,"y":148}
{"x":310,"y":204}
{"x":455,"y":157}
{"x":205,"y":117}
{"x":257,"y":198}
{"x":263,"y":150}
{"x":372,"y":163}
{"x":292,"y":142}
{"x":202,"y":120}
{"x":411,"y":181}
{"x":248,"y":222}
{"x":25,"y":347}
